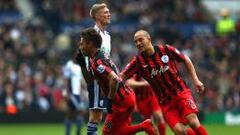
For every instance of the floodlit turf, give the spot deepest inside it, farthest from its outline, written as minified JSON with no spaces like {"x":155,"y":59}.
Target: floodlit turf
{"x":58,"y":129}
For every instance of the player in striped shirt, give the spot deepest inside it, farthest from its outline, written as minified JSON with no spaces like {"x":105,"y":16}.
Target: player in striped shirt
{"x":97,"y":103}
{"x":158,"y":66}
{"x":121,"y":99}
{"x":146,"y":102}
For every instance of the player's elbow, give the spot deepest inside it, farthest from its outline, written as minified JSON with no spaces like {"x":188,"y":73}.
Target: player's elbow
{"x":123,"y":76}
{"x":130,"y":82}
{"x":113,"y":81}
{"x":187,"y":60}
{"x":112,"y":78}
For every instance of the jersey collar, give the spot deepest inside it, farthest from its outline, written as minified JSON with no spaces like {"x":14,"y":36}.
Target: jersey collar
{"x":98,"y":30}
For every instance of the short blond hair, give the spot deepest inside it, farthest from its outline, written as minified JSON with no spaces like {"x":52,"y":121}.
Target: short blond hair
{"x":95,"y":8}
{"x":144,"y":32}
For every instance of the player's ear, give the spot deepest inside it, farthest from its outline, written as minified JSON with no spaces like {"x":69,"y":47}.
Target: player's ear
{"x":149,"y":38}
{"x":96,"y":16}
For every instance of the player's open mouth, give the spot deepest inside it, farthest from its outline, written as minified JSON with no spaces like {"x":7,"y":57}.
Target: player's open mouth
{"x":140,"y":47}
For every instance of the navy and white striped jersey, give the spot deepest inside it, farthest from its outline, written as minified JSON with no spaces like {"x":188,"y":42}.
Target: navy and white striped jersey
{"x":73,"y":73}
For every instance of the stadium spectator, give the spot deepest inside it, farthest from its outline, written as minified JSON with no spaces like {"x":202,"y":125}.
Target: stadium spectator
{"x":72,"y":94}
{"x":225,"y":25}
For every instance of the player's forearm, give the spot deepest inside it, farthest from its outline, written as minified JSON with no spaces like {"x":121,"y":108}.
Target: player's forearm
{"x":191,"y":69}
{"x":135,"y":84}
{"x":113,"y":89}
{"x":113,"y":86}
{"x":87,"y":76}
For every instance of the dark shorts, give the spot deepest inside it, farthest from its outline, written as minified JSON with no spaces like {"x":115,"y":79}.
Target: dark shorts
{"x":75,"y":103}
{"x":96,"y":101}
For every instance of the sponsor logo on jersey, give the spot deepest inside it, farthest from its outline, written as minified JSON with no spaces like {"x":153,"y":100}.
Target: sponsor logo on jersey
{"x":160,"y":71}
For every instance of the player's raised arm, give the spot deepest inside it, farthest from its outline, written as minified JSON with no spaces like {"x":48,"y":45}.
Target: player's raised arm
{"x":178,"y":56}
{"x":198,"y":84}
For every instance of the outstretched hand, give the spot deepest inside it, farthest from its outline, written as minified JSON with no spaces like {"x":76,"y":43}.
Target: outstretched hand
{"x":199,"y":86}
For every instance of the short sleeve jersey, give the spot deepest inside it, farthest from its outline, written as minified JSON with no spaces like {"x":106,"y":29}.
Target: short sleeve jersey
{"x":160,"y":70}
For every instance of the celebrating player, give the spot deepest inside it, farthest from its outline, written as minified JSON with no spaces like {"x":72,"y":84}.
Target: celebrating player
{"x":157,"y":65}
{"x":146,"y":102}
{"x":121,"y":99}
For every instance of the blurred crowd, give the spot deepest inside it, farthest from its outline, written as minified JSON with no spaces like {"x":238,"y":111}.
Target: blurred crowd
{"x":33,"y":52}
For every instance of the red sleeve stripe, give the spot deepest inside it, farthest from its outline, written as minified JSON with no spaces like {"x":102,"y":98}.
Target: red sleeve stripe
{"x":178,"y":57}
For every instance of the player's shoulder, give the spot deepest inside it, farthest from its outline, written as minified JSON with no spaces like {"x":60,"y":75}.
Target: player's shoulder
{"x":69,"y":63}
{"x":96,"y":28}
{"x":101,"y":55}
{"x":164,"y":45}
{"x":136,"y":58}
{"x":167,"y":47}
{"x":106,"y":33}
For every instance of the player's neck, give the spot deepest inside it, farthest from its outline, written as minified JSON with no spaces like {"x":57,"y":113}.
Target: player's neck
{"x":101,"y":26}
{"x":94,"y":52}
{"x":150,"y":51}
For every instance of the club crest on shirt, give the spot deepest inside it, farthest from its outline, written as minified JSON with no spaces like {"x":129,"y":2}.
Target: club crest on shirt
{"x":165,"y":59}
{"x":100,"y":68}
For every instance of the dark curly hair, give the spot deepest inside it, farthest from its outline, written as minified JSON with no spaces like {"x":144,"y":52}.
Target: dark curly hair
{"x":91,"y":35}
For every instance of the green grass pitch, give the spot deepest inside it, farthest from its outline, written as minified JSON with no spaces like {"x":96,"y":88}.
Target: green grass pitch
{"x":58,"y":129}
